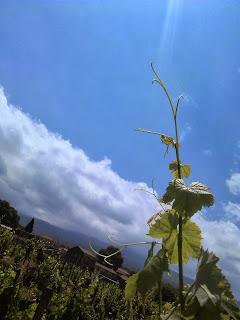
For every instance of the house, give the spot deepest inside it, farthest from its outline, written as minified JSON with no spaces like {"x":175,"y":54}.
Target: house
{"x":74,"y":255}
{"x":80,"y":257}
{"x":122,"y":280}
{"x":61,"y":251}
{"x":88,"y":260}
{"x":24,"y":234}
{"x":106,"y":272}
{"x":124,"y":272}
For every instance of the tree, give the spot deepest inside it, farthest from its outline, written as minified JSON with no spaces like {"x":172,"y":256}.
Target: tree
{"x":29,"y":226}
{"x":116,"y":260}
{"x":169,"y":293}
{"x":8,"y":215}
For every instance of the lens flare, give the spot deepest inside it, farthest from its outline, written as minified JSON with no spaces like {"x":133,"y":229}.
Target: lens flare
{"x":170,"y":24}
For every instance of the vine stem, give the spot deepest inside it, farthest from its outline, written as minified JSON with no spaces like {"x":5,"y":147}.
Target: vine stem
{"x":121,"y":247}
{"x":180,"y":219}
{"x":160,"y":299}
{"x":176,"y":147}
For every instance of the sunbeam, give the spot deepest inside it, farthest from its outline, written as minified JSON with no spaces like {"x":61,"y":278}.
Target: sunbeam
{"x":168,"y":36}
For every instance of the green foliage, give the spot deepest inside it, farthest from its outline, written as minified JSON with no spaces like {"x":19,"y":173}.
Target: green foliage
{"x":185,"y":169}
{"x":211,"y":290}
{"x":210,"y":296}
{"x":6,"y":237}
{"x":8,"y":215}
{"x":116,"y":259}
{"x":167,"y":140}
{"x":187,"y":200}
{"x":167,"y":228}
{"x":150,"y":253}
{"x":169,"y":293}
{"x":149,"y":277}
{"x":77,"y":294}
{"x":29,"y":226}
{"x":208,"y":273}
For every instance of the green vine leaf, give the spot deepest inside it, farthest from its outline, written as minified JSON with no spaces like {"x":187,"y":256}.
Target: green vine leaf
{"x":154,"y":217}
{"x":211,"y":296}
{"x":167,"y":229}
{"x":184,"y":168}
{"x":167,"y":140}
{"x":187,"y":200}
{"x":210,"y":275}
{"x":203,"y":295}
{"x":164,"y":226}
{"x":225,"y":316}
{"x":131,"y":286}
{"x":147,"y":278}
{"x":174,"y":316}
{"x":208,"y":314}
{"x":230,"y":307}
{"x":150,"y":253}
{"x":158,"y":215}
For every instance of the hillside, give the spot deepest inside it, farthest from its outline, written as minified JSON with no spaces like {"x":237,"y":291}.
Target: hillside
{"x":132,"y":258}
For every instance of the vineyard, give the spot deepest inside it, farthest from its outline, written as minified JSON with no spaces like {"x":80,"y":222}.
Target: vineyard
{"x":36,"y":284}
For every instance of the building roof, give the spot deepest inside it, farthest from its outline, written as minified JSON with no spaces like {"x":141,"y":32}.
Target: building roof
{"x":123,"y":271}
{"x":76,"y":248}
{"x":109,"y":279}
{"x":123,"y":277}
{"x":102,"y":267}
{"x":88,"y":252}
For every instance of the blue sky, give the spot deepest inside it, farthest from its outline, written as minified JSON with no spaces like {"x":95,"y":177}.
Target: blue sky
{"x":85,"y":68}
{"x":82,"y":68}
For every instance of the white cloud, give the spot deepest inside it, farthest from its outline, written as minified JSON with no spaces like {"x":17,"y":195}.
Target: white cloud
{"x":222,"y":237}
{"x":207,"y":152}
{"x":232,"y":209}
{"x":189,"y":101}
{"x":185,"y":132}
{"x":234,"y":183}
{"x":44,"y":176}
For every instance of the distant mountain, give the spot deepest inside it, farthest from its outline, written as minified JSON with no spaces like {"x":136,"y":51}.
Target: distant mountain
{"x":72,"y":238}
{"x":62,"y":236}
{"x":132,"y":258}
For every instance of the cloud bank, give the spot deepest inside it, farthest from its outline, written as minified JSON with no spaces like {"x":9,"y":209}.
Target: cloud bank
{"x":222,"y":237}
{"x":233,"y":210}
{"x":44,"y":176}
{"x":233,"y":183}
